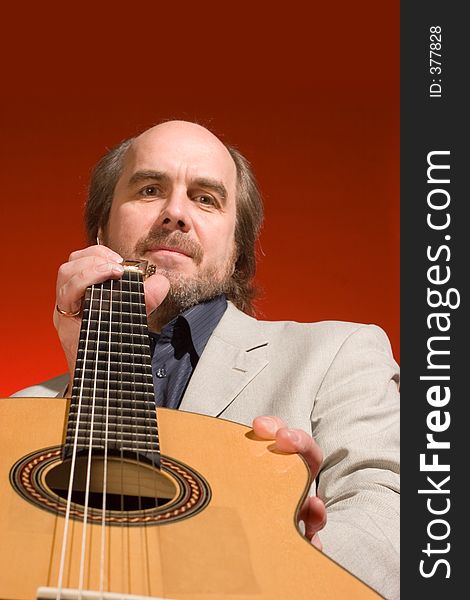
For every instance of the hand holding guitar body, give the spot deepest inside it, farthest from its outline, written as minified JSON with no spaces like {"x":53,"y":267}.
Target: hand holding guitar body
{"x":313,"y":512}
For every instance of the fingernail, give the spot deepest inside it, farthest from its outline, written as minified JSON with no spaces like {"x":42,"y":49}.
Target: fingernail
{"x":115,"y":256}
{"x":292,"y":435}
{"x":116,"y":268}
{"x":271,"y":425}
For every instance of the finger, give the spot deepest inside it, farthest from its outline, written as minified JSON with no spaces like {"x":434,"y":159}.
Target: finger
{"x":97,"y":250}
{"x":266,"y":427}
{"x":313,"y":514}
{"x":156,"y":288}
{"x":297,"y":440}
{"x":76,"y":276}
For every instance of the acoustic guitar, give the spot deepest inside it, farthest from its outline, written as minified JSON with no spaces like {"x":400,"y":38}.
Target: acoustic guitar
{"x":105,"y":497}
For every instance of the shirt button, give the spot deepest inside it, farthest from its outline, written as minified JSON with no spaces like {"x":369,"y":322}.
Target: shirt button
{"x":161,"y":373}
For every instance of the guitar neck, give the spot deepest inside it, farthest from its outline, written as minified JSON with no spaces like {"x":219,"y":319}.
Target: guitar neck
{"x":113,"y":403}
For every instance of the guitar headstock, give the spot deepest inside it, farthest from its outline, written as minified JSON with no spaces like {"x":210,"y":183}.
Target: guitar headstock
{"x":141,"y":266}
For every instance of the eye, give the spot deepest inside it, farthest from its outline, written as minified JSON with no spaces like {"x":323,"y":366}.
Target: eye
{"x":149,"y":191}
{"x":206,"y":200}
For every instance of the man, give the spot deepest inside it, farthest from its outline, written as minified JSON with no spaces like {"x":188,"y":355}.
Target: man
{"x":179,"y":198}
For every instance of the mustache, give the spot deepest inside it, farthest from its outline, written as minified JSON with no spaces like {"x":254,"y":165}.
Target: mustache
{"x":176,"y":239}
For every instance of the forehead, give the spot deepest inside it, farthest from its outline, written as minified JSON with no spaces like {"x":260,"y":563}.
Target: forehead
{"x":183,"y":153}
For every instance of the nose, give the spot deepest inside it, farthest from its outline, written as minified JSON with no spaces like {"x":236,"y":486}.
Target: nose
{"x":174,"y":214}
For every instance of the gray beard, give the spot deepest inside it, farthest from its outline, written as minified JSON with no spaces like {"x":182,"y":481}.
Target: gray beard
{"x":186,"y":292}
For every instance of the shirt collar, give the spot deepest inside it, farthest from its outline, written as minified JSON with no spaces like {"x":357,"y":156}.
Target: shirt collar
{"x":201,"y":320}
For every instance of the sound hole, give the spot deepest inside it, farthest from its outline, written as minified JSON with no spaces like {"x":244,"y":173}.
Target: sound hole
{"x":130,"y":485}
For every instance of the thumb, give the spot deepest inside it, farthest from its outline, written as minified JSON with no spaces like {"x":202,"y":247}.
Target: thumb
{"x":156,"y":288}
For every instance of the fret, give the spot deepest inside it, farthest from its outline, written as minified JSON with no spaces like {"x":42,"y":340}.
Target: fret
{"x":122,"y":311}
{"x":142,"y":369}
{"x":91,"y":386}
{"x":116,"y":401}
{"x":126,"y":445}
{"x":119,"y":318}
{"x":119,"y":397}
{"x":134,"y":382}
{"x":84,"y":433}
{"x":116,"y":347}
{"x":128,"y":337}
{"x":83,"y":439}
{"x":120,"y":298}
{"x":119,"y":403}
{"x":125,"y":402}
{"x":133,"y":450}
{"x":113,"y":353}
{"x":114,"y":412}
{"x":125,"y":422}
{"x":147,"y":416}
{"x":117,"y":330}
{"x":143,"y":403}
{"x":117,"y":291}
{"x":135,"y":306}
{"x":133,"y":297}
{"x":134,"y":373}
{"x":145,"y":399}
{"x":85,"y":363}
{"x":117,"y":389}
{"x":116,"y":432}
{"x":127,"y":409}
{"x":88,"y":359}
{"x":117,"y":426}
{"x":136,"y":295}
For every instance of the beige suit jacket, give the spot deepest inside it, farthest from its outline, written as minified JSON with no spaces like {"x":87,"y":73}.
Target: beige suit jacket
{"x":337,"y":381}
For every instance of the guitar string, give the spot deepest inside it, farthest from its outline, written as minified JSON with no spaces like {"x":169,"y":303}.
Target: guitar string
{"x":133,"y":327}
{"x":105,"y":458}
{"x":73,"y":460}
{"x":143,"y":333}
{"x":152,"y":427}
{"x":150,"y":419}
{"x":90,"y":454}
{"x":132,"y":436}
{"x":124,"y":530}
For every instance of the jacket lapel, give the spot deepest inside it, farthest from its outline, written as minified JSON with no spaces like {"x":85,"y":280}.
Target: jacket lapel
{"x":233,"y":356}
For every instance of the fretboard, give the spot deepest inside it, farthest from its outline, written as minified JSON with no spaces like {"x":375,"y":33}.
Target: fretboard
{"x":113,"y":403}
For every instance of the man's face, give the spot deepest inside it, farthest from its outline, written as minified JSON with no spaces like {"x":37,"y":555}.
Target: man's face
{"x":174,"y":205}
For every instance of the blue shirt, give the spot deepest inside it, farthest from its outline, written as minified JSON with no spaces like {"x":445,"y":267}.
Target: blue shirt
{"x":177,"y":348}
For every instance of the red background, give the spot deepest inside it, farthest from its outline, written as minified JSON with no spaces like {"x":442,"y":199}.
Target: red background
{"x":309,"y":95}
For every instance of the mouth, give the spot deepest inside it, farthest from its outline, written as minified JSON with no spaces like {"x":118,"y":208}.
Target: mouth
{"x":170,"y":250}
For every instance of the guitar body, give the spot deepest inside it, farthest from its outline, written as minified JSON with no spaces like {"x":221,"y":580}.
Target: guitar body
{"x":243,"y":544}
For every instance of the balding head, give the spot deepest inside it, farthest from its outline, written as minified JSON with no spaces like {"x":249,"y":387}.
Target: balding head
{"x":183,"y":131}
